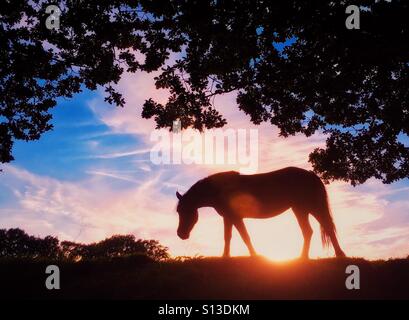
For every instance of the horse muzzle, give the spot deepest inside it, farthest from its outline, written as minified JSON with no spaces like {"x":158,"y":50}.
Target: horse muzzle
{"x":183,"y":236}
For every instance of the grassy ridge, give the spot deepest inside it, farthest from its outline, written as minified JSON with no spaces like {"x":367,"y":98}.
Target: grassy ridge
{"x":209,"y":278}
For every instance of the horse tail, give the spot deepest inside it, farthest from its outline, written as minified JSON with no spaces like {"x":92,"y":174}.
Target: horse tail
{"x":323,"y":214}
{"x":327,"y":225}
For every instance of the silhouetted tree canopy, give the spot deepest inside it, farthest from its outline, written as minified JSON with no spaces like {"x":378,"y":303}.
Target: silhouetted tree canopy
{"x":292,"y":63}
{"x":15,"y":243}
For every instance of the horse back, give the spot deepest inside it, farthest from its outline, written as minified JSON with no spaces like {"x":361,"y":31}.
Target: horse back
{"x":266,"y":194}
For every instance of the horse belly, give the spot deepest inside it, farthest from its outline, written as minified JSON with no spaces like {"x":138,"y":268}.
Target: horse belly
{"x":249,"y":206}
{"x":272,"y":211}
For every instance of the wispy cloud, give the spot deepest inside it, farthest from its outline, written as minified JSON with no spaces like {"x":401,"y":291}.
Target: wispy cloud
{"x":88,"y":210}
{"x":119,"y":154}
{"x":113,"y":175}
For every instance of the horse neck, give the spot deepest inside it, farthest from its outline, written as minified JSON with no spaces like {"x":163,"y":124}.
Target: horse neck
{"x":200,"y":195}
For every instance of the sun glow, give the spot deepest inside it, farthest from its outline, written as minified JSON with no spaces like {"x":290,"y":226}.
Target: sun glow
{"x":278,"y":238}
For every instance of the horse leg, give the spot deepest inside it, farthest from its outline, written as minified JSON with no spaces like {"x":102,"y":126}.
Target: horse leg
{"x":241,"y":228}
{"x":228,"y":226}
{"x":302,"y":218}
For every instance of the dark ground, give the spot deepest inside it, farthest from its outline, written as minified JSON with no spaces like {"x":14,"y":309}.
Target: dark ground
{"x":209,"y":278}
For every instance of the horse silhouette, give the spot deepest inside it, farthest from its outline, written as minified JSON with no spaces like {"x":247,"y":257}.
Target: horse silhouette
{"x":235,"y":196}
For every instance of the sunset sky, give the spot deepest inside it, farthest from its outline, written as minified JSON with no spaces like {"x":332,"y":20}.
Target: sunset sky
{"x":91,"y":177}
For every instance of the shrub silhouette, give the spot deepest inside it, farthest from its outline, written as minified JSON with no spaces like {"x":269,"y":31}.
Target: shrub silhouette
{"x":16,"y":243}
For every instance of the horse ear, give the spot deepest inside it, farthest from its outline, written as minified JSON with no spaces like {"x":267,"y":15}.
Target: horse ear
{"x":178,"y":195}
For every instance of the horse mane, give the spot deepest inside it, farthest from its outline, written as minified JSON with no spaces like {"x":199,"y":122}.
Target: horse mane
{"x":198,"y":185}
{"x":205,"y":184}
{"x":209,"y":179}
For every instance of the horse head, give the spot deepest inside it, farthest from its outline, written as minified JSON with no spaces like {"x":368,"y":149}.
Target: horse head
{"x":188,"y":216}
